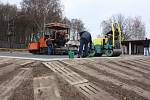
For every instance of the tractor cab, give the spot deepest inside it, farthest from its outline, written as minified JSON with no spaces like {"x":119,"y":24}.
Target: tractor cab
{"x":35,"y":37}
{"x":59,"y":35}
{"x":34,"y":44}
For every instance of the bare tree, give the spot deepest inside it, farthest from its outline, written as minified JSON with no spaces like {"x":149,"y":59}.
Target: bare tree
{"x":7,"y":13}
{"x":76,"y":26}
{"x":65,"y":20}
{"x":132,"y":28}
{"x":43,"y":11}
{"x":138,"y":29}
{"x":32,"y":17}
{"x":106,"y":26}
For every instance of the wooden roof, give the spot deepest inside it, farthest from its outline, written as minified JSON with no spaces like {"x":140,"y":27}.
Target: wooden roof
{"x":57,"y":26}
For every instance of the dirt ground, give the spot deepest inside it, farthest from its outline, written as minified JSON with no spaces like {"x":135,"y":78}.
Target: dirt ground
{"x":25,"y":90}
{"x":78,"y":79}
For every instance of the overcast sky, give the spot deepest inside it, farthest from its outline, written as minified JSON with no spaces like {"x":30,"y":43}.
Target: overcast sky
{"x":92,"y":12}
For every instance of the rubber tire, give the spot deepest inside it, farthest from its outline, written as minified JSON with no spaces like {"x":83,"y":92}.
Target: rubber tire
{"x":92,"y":53}
{"x":109,"y":53}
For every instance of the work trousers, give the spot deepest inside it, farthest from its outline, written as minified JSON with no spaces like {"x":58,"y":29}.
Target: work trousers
{"x":146,"y":51}
{"x":83,"y":45}
{"x":49,"y":50}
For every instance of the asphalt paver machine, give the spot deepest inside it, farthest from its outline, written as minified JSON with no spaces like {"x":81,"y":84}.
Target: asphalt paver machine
{"x":59,"y":34}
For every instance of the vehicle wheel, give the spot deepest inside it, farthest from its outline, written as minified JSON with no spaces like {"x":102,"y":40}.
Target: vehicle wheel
{"x":92,"y":53}
{"x":109,"y":53}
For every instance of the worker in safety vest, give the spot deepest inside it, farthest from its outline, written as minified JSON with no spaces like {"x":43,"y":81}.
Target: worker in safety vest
{"x":85,"y":41}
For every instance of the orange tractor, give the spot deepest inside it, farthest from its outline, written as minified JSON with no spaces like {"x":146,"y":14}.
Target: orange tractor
{"x":59,"y":35}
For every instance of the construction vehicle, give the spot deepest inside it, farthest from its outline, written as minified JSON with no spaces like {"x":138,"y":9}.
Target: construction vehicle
{"x":110,"y":45}
{"x":59,"y":35}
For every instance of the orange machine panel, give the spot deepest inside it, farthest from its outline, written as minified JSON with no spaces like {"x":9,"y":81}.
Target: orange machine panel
{"x":42,"y":42}
{"x":33,"y":46}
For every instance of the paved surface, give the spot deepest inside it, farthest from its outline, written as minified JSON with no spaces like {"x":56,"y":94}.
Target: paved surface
{"x":26,"y":55}
{"x":120,"y":78}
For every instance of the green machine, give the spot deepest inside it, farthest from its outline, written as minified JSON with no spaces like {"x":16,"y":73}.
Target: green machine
{"x":110,"y":45}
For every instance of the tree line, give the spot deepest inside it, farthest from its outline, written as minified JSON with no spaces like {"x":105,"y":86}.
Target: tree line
{"x":16,"y":24}
{"x":132,"y":28}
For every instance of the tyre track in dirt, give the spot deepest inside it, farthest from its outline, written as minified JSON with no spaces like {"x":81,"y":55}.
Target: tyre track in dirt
{"x":142,"y":78}
{"x":12,"y":61}
{"x":83,"y":79}
{"x":86,"y":88}
{"x":138,"y":64}
{"x":16,"y":64}
{"x":134,"y":88}
{"x":15,"y":79}
{"x":143,"y":83}
{"x":8,"y":87}
{"x":6,"y":62}
{"x":120,"y":68}
{"x":134,"y":69}
{"x":31,"y":80}
{"x":142,"y":64}
{"x":58,"y":87}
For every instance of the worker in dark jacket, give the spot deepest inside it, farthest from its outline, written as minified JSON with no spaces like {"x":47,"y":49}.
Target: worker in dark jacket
{"x":85,"y":41}
{"x":49,"y":45}
{"x":146,"y":47}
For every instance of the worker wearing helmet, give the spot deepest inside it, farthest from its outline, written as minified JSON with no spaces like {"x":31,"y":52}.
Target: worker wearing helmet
{"x":85,"y":40}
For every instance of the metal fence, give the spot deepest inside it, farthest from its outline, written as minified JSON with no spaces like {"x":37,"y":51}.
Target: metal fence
{"x":6,"y":44}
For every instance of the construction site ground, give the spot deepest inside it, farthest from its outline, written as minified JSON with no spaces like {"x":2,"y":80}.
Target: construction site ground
{"x":118,"y":78}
